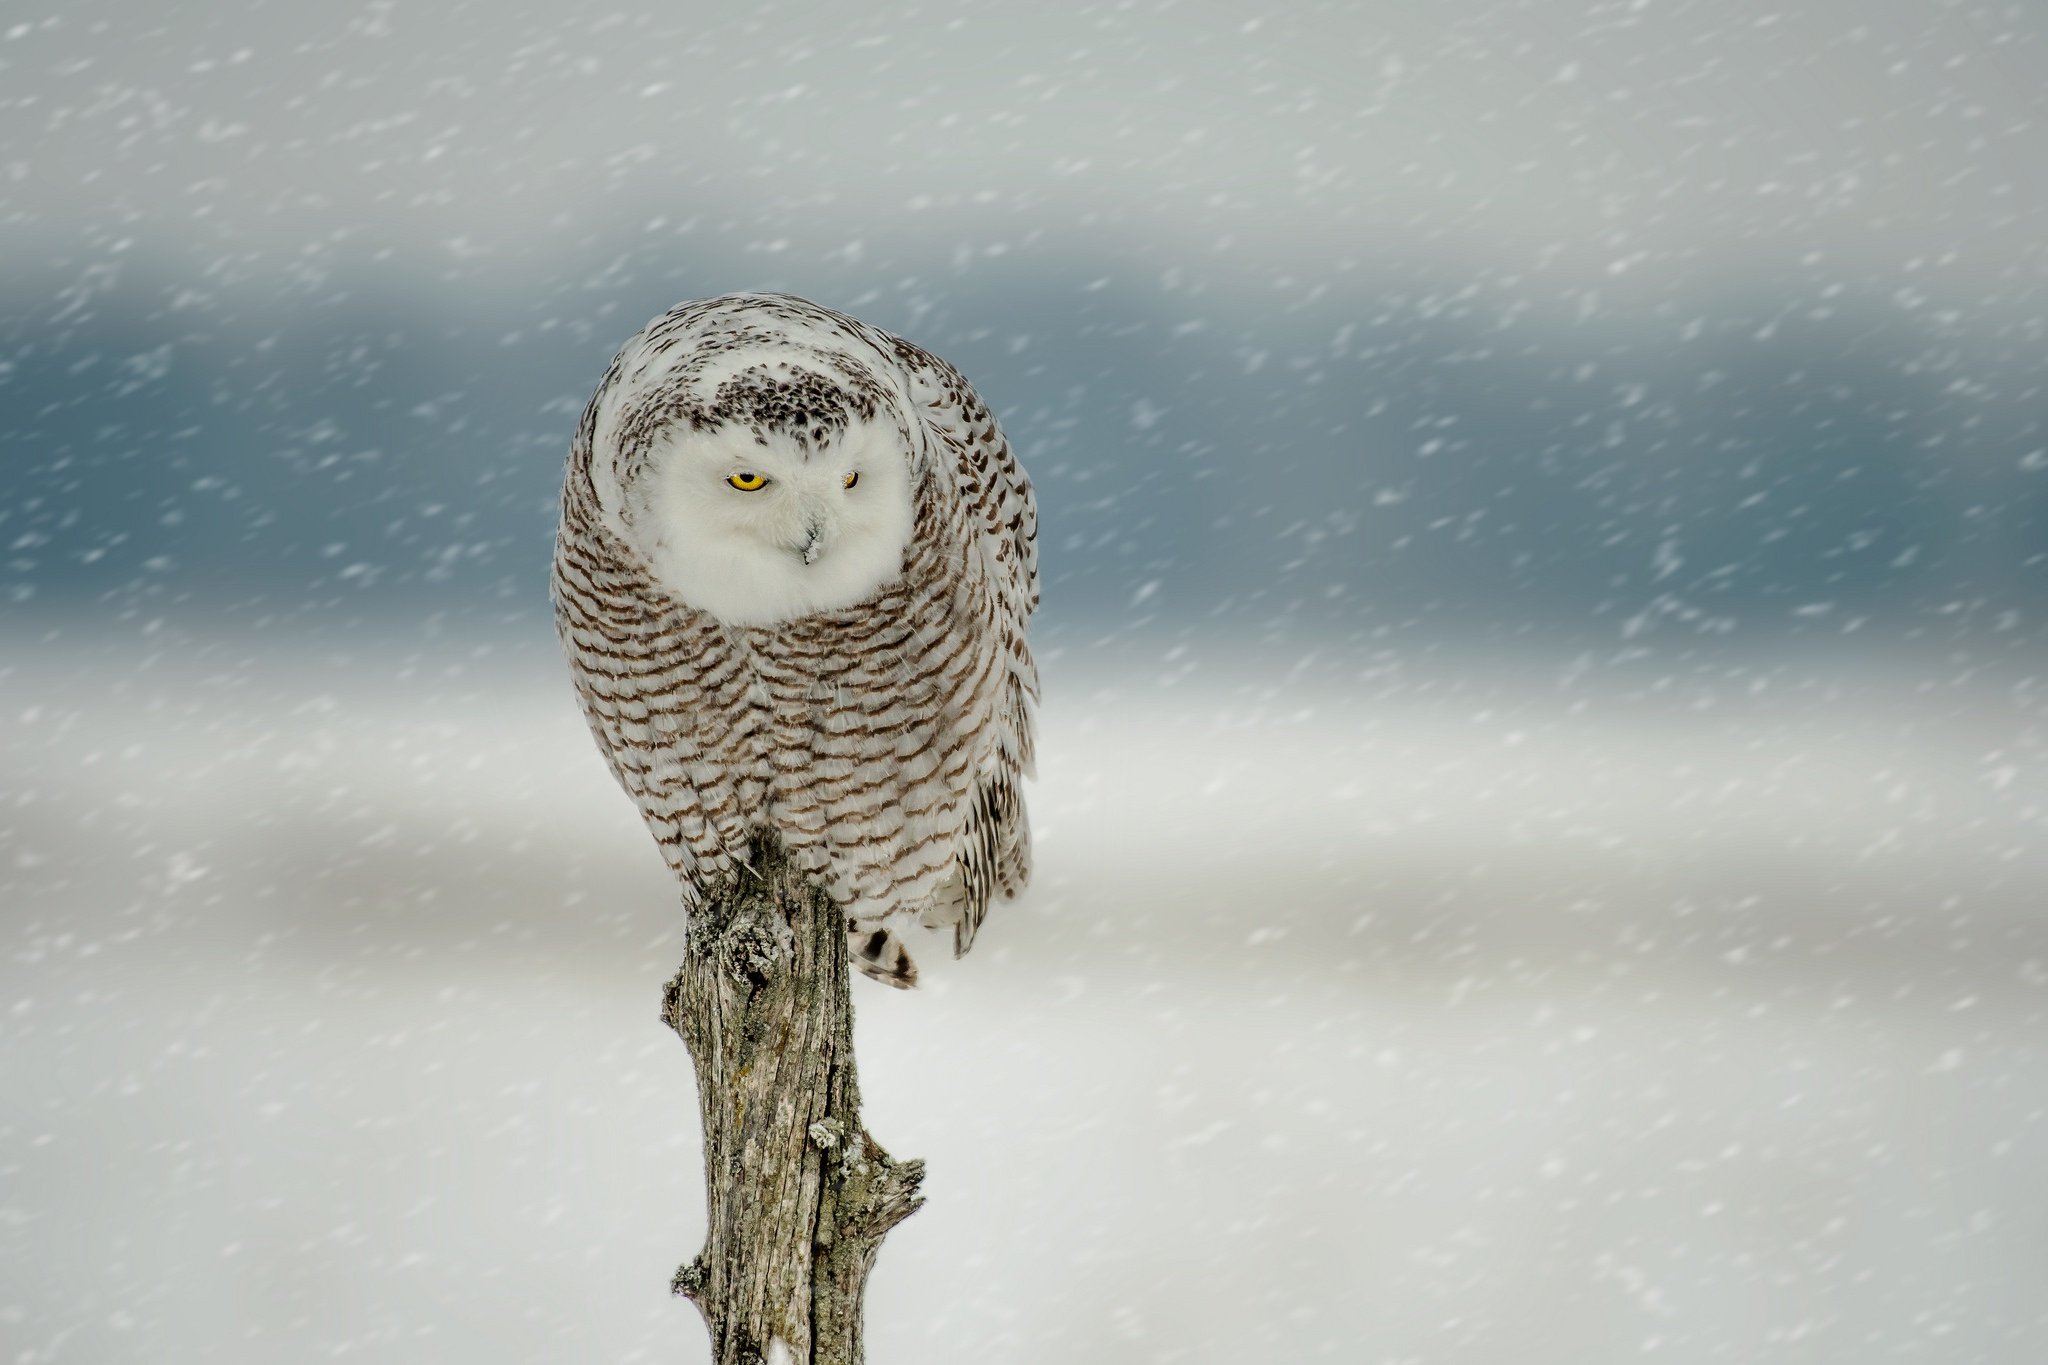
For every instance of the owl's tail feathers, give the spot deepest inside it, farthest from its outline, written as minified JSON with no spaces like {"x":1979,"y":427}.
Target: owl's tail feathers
{"x":994,"y":856}
{"x":1013,"y":868}
{"x":881,"y":955}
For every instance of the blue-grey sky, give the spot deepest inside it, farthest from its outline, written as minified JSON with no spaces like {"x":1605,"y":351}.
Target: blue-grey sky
{"x":1589,"y":320}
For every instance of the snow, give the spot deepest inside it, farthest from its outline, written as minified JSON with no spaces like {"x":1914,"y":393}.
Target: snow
{"x":1542,"y":798}
{"x":1508,"y":1009}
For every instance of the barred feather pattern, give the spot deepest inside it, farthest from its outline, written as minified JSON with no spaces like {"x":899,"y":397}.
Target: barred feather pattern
{"x":883,"y":743}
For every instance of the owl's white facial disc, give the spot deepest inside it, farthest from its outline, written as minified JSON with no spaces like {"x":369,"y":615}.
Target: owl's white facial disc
{"x":801,"y":542}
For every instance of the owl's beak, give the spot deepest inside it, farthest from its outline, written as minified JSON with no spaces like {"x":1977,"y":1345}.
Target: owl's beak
{"x":814,"y":541}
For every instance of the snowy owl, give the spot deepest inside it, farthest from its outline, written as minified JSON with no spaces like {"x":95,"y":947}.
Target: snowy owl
{"x":794,"y":568}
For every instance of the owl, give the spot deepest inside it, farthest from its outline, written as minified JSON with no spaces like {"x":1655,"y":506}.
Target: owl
{"x":795,"y":565}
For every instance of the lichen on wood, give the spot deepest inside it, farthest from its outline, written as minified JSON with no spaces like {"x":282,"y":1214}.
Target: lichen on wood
{"x":798,"y":1196}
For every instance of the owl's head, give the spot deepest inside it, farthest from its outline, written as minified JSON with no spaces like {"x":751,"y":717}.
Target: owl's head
{"x":763,"y":483}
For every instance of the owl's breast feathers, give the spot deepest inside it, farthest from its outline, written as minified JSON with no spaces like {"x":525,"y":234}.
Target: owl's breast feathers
{"x":884,"y":743}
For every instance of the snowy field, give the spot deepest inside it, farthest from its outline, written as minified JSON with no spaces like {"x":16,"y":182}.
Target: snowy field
{"x":1514,"y":1012}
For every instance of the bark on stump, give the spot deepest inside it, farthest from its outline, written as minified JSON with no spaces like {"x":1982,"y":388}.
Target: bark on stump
{"x":798,"y":1196}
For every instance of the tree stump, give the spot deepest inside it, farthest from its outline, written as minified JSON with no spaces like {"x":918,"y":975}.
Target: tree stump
{"x":798,"y":1196}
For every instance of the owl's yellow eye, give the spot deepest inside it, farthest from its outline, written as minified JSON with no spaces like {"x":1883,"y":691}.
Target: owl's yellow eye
{"x":852,"y":479}
{"x":747,"y":481}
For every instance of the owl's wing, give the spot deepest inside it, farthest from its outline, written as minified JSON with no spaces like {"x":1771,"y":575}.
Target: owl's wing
{"x":978,"y":465}
{"x":663,"y":693}
{"x":975,"y":465}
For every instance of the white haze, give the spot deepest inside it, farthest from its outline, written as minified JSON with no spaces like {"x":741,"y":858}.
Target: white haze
{"x":1601,"y":140}
{"x":1520,"y":1010}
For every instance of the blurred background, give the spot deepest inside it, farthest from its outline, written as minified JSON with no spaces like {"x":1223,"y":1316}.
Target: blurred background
{"x":1544,"y":515}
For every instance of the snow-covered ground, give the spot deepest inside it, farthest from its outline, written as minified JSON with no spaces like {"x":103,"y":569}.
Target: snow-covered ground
{"x":1511,"y":1012}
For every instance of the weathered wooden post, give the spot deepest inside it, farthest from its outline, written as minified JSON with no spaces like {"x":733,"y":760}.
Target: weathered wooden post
{"x":798,"y":1195}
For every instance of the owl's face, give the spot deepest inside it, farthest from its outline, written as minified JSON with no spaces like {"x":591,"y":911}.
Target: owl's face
{"x":759,"y":525}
